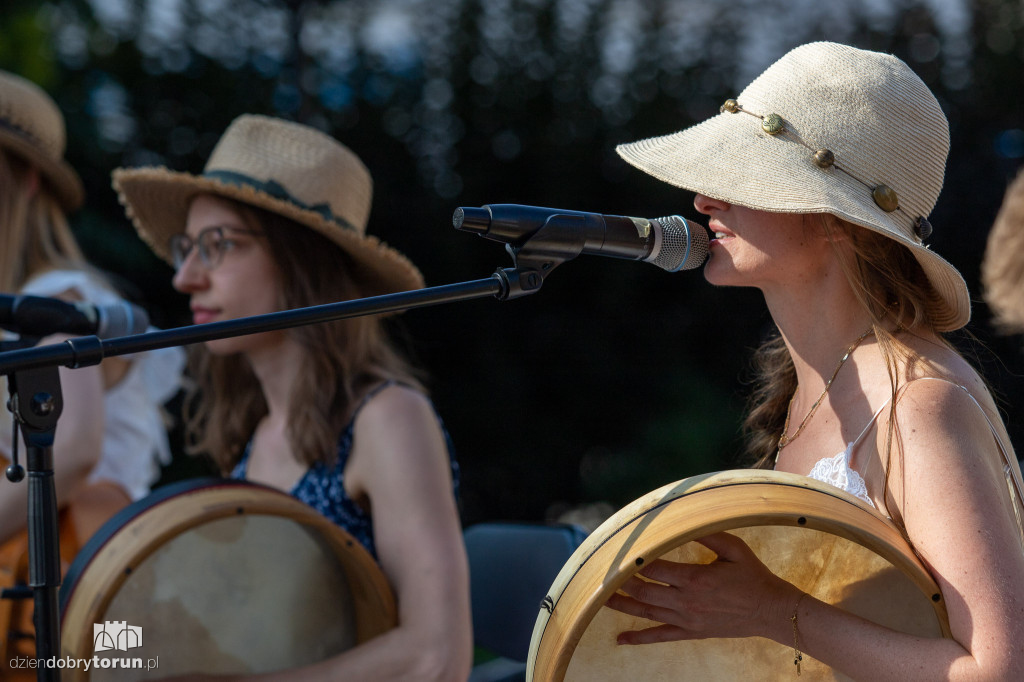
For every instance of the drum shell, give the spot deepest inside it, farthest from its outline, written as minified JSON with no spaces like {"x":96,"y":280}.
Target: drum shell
{"x":863,"y":565}
{"x":223,"y":613}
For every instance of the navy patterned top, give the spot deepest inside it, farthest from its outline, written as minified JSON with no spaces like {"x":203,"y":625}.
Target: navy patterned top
{"x":322,"y":487}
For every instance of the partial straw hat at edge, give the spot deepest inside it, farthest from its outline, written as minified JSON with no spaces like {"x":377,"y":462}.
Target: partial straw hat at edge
{"x":32,"y":127}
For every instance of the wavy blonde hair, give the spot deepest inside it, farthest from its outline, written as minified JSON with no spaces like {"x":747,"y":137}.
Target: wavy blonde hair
{"x":341,"y":361}
{"x":890,"y":286}
{"x":36,"y":236}
{"x":1002,"y":271}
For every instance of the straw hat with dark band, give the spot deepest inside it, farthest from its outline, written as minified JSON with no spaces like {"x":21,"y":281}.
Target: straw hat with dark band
{"x":32,"y":127}
{"x":826,"y":129}
{"x":287,"y":168}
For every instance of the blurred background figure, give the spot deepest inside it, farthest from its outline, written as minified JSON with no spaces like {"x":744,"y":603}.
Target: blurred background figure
{"x":329,"y":412}
{"x":112,"y":436}
{"x":1002,"y":271}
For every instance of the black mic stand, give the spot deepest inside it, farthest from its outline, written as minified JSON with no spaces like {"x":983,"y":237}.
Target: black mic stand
{"x":35,"y":384}
{"x":36,"y":402}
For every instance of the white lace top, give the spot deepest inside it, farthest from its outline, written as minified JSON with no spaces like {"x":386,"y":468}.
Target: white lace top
{"x":837,"y":471}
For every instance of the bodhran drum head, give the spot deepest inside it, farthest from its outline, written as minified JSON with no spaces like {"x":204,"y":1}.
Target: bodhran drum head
{"x":217,"y":576}
{"x":823,"y":540}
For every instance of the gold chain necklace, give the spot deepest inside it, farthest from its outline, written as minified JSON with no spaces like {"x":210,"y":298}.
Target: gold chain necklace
{"x":785,"y":440}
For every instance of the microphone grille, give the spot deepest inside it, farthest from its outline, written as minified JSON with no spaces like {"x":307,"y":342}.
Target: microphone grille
{"x":680,"y":247}
{"x":122,"y":319}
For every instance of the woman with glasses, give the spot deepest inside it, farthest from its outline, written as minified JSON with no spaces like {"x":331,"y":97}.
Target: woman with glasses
{"x":328,"y":412}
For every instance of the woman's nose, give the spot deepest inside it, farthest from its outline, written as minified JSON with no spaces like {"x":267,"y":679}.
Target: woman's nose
{"x":706,"y":205}
{"x":192,"y":275}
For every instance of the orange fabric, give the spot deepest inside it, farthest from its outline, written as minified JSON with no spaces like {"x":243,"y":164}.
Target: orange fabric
{"x":89,"y":509}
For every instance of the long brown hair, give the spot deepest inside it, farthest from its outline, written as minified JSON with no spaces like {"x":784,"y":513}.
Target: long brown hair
{"x":341,"y":359}
{"x":35,"y":234}
{"x":891,"y":286}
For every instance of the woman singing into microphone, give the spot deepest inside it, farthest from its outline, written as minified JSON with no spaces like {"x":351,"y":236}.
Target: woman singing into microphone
{"x":817,"y":181}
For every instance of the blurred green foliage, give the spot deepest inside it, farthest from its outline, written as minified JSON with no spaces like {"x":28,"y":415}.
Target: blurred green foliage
{"x":617,"y":377}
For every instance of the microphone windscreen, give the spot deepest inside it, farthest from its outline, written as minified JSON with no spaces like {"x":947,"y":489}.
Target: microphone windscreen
{"x":122,"y":319}
{"x":680,"y":247}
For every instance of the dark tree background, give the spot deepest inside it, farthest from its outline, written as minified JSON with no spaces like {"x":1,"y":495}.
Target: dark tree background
{"x":617,"y":377}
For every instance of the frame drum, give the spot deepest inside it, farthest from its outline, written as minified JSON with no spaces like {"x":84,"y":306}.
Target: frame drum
{"x":826,"y":542}
{"x":219,"y":576}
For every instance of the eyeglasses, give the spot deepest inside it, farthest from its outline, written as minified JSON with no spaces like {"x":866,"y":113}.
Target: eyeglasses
{"x":213,"y":243}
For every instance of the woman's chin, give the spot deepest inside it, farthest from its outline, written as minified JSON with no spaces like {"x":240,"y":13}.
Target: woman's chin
{"x":222,"y":347}
{"x":721,"y":271}
{"x":719,"y":276}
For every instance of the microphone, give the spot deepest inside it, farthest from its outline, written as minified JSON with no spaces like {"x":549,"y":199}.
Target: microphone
{"x":41,"y":316}
{"x":666,"y":242}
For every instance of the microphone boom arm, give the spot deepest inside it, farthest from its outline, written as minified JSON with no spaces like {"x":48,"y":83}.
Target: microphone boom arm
{"x":533,"y":261}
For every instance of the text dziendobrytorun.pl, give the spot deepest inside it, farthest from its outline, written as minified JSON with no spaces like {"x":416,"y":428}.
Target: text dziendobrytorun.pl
{"x":87,"y":664}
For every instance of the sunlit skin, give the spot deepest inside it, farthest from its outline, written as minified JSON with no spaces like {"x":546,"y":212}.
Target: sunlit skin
{"x":764,"y":250}
{"x":947,"y":486}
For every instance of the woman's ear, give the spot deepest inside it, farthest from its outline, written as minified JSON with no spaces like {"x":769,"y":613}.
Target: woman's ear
{"x":31,"y":182}
{"x":829,"y":228}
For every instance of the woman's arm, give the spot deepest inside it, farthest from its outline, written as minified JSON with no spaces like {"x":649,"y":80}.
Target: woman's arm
{"x":400,"y":460}
{"x":949,"y":488}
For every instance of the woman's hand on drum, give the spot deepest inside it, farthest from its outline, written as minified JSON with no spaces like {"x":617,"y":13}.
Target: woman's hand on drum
{"x":734,"y":596}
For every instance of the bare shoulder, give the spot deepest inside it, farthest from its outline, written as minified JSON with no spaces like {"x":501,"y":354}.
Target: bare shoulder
{"x":394,"y":402}
{"x":933,"y":360}
{"x":398,"y":422}
{"x":937,"y":405}
{"x":399,"y":450}
{"x":944,"y":407}
{"x":949,"y":432}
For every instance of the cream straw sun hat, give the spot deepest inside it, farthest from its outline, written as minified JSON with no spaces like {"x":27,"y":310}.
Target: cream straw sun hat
{"x":286,"y":168}
{"x":32,"y":126}
{"x":827,"y":128}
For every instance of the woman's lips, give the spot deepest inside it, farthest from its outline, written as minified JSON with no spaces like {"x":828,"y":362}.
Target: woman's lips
{"x":203,"y":315}
{"x":719,"y":236}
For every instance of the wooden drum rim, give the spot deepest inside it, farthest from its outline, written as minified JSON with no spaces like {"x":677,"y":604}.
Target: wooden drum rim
{"x":130,"y":537}
{"x":653,"y":525}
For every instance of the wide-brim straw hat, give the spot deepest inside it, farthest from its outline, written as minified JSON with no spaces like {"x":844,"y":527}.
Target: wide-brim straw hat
{"x":828,"y":128}
{"x":1002,"y":270}
{"x":287,"y":168}
{"x":32,"y":127}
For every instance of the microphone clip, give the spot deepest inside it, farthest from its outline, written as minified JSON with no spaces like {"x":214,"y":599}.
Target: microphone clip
{"x":553,"y":244}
